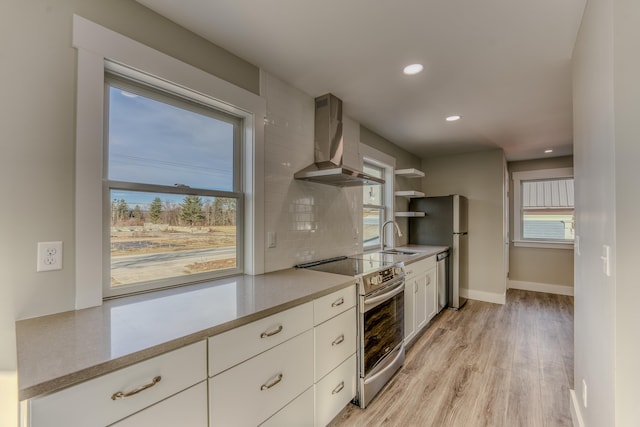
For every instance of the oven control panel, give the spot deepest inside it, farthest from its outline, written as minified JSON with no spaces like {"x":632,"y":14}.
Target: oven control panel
{"x":383,"y":276}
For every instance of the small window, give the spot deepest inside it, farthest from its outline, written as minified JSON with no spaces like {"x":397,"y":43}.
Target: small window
{"x":544,"y":208}
{"x":373,"y":208}
{"x":173,"y":205}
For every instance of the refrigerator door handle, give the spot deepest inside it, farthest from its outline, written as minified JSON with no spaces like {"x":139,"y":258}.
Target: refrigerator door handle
{"x":463,"y":233}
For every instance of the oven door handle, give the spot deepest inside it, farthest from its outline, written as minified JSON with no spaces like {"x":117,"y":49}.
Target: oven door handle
{"x":395,"y":291}
{"x":384,"y":370}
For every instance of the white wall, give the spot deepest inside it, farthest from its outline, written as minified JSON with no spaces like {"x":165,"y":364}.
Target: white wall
{"x":479,"y":177}
{"x":606,"y":67}
{"x":539,"y":267}
{"x":37,"y":145}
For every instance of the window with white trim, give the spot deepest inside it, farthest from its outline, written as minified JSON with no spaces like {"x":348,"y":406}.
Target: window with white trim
{"x":101,"y":51}
{"x":373,"y":207}
{"x":171,"y":188}
{"x":544,"y":208}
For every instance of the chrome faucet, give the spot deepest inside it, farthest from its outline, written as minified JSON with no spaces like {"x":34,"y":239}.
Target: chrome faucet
{"x":382,"y":232}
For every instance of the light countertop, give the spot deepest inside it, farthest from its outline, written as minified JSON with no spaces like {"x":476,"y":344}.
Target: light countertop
{"x":419,"y":252}
{"x":64,"y":349}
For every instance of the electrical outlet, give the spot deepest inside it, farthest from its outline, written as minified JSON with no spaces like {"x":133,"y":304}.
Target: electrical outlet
{"x":49,"y":256}
{"x":584,"y":393}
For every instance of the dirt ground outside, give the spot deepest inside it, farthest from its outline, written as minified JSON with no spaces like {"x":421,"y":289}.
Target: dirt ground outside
{"x":143,"y":253}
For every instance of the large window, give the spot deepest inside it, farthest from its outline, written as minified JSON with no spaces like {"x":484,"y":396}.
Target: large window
{"x":173,"y":201}
{"x":544,"y":208}
{"x":373,"y":208}
{"x":165,"y":80}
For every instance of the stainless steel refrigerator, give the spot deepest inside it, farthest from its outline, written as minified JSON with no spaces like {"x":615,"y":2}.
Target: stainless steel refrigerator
{"x":445,"y":224}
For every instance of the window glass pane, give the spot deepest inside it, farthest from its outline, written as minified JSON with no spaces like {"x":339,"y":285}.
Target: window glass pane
{"x":372,"y":218}
{"x":548,"y":224}
{"x":547,"y":209}
{"x":372,"y":170}
{"x":156,"y":236}
{"x":153,"y":142}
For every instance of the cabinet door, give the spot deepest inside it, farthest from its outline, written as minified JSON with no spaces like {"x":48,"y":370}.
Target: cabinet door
{"x":91,"y":403}
{"x":253,"y":391}
{"x":335,"y":341}
{"x":421,"y":301}
{"x":187,"y":408}
{"x":335,"y":391}
{"x":298,"y":413}
{"x":409,"y":309}
{"x":431,"y":293}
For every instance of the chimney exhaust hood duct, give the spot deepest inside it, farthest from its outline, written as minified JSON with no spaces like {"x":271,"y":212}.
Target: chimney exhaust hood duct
{"x":329,"y":145}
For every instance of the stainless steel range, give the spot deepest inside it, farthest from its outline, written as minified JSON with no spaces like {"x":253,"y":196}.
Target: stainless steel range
{"x":380,"y":321}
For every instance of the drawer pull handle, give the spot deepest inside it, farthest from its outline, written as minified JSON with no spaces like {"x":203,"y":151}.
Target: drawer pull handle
{"x":267,"y":386}
{"x":338,"y":340}
{"x":338,"y":302}
{"x":338,"y":389}
{"x":272,"y":333}
{"x":122,"y":394}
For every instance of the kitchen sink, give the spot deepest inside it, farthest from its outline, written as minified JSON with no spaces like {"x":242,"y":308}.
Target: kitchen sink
{"x":397,"y":252}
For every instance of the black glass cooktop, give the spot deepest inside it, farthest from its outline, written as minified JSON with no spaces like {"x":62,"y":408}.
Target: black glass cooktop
{"x":353,"y":267}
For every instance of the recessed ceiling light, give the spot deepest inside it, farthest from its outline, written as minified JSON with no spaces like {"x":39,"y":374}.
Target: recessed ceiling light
{"x":452,"y":118}
{"x":548,"y":151}
{"x":413,"y":69}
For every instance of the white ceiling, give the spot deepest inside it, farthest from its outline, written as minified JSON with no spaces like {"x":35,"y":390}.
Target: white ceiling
{"x":503,"y":65}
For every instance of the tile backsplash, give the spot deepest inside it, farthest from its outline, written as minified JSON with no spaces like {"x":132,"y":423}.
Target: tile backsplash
{"x":310,"y":220}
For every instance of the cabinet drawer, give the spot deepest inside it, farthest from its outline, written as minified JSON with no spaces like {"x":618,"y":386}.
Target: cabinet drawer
{"x":239,"y":344}
{"x":326,"y":307}
{"x":418,"y":267}
{"x":91,"y":403}
{"x":335,"y":391}
{"x":335,"y":341}
{"x":187,"y":408}
{"x":251,"y":392}
{"x":298,"y":413}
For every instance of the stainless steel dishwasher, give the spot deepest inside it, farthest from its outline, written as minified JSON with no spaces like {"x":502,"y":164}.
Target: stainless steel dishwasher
{"x":443,"y":279}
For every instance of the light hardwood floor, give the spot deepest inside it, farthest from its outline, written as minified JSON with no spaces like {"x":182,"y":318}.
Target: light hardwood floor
{"x":486,"y":365}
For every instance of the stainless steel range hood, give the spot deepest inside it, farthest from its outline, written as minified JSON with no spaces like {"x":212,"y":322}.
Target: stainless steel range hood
{"x":329,"y":145}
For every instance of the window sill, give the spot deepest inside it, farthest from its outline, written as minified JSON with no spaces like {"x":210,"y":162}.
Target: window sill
{"x":542,"y":244}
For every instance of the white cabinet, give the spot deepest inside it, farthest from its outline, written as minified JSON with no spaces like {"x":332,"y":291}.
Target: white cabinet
{"x":409,"y":307}
{"x":324,"y":308}
{"x":239,"y":344}
{"x":335,"y":391}
{"x":253,"y":391}
{"x":294,"y":368}
{"x":420,"y":296}
{"x":335,"y":352}
{"x":187,"y":408}
{"x":112,"y":397}
{"x":298,"y":413}
{"x":335,"y":341}
{"x":258,"y":368}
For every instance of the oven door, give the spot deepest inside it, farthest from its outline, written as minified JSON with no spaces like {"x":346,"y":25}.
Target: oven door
{"x":382,"y":324}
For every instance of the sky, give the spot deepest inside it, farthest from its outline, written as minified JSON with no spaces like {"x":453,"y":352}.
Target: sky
{"x":156,"y":143}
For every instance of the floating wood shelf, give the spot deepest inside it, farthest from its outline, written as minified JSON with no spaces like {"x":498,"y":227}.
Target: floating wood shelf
{"x":409,"y":193}
{"x":409,"y":214}
{"x":410,"y":173}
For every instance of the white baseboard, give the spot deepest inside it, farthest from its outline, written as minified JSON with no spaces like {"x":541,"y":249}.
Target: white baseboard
{"x":540,"y":287}
{"x":483,"y":296}
{"x":576,"y":415}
